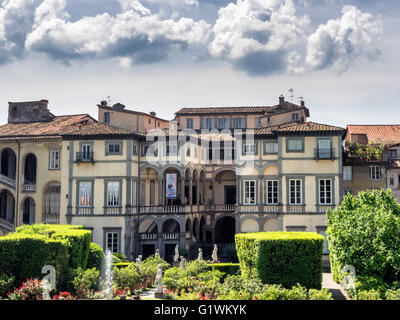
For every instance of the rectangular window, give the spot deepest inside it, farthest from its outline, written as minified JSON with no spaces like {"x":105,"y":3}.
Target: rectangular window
{"x":375,"y":173}
{"x":295,"y":189}
{"x":113,"y":194}
{"x":208,"y":123}
{"x":112,"y":240}
{"x":188,"y":150}
{"x":392,"y":154}
{"x":295,"y":116}
{"x":391,"y":181}
{"x":106,"y":117}
{"x":271,"y":147}
{"x":324,"y":148}
{"x":271,"y":191}
{"x":113,"y":148}
{"x":249,"y":192}
{"x":54,"y":159}
{"x":86,"y":152}
{"x":347,"y":191}
{"x":85,"y":194}
{"x":295,"y":145}
{"x":325,"y":191}
{"x":239,"y":123}
{"x":189,"y":123}
{"x":134,"y":193}
{"x":347,"y":173}
{"x":249,"y":148}
{"x":258,"y":122}
{"x":134,"y":149}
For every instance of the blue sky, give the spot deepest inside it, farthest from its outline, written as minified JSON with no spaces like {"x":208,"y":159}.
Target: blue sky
{"x":341,"y":56}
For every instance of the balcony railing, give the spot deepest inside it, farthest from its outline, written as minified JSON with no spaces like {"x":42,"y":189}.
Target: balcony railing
{"x":248,"y":208}
{"x":51,"y":218}
{"x":84,"y":156}
{"x":293,"y":208}
{"x":164,"y":236}
{"x":10,"y":182}
{"x":170,"y":236}
{"x":224,"y":207}
{"x":272,"y":208}
{"x":324,"y":153}
{"x":84,"y":211}
{"x":112,"y":210}
{"x":161,"y":209}
{"x":148,"y":236}
{"x":29,"y":187}
{"x":324,"y":208}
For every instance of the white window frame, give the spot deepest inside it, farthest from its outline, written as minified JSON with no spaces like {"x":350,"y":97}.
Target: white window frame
{"x":272,"y":145}
{"x":293,"y":144}
{"x":54,"y":159}
{"x":113,"y":246}
{"x":247,"y":186}
{"x":273,"y":186}
{"x":324,"y":193}
{"x":300,"y":192}
{"x":113,"y":196}
{"x":88,"y":194}
{"x":189,"y":123}
{"x":249,"y":148}
{"x":375,"y":173}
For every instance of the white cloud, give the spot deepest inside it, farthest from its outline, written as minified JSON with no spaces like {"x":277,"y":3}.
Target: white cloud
{"x":266,"y":27}
{"x":338,"y":42}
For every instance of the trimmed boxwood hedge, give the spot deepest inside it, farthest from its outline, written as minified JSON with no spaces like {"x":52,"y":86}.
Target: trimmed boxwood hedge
{"x":226,"y":268}
{"x":96,"y":257}
{"x":24,"y":252}
{"x":286,"y":258}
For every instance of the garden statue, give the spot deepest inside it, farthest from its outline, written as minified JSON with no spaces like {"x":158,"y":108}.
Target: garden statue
{"x":46,"y":289}
{"x":214,"y":254}
{"x":182,"y":264}
{"x":139,"y":260}
{"x":200,"y":257}
{"x":158,"y":283}
{"x":176,"y":256}
{"x":157,"y":254}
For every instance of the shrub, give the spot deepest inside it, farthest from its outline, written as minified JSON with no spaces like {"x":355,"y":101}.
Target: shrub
{"x":84,"y":280}
{"x":28,"y":290}
{"x":364,"y":283}
{"x":6,"y":284}
{"x":96,"y":256}
{"x":363,"y":232}
{"x":193,"y":268}
{"x":171,"y":277}
{"x":31,"y":247}
{"x":126,"y":278}
{"x":122,"y":265}
{"x":286,"y":258}
{"x":121,"y":257}
{"x":322,"y":294}
{"x":226,"y":268}
{"x":392,"y":294}
{"x":368,"y":295}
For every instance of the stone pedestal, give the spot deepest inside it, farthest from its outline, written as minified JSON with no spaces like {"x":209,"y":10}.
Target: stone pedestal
{"x":159,"y":295}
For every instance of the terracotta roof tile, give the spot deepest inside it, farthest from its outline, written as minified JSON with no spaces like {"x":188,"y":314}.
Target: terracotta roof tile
{"x":48,"y":129}
{"x":388,"y":134}
{"x":309,"y":127}
{"x":96,"y":129}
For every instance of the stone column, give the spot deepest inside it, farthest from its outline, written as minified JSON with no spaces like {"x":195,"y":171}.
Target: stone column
{"x":198,"y":191}
{"x":182,"y":189}
{"x":190,"y":191}
{"x":160,"y":191}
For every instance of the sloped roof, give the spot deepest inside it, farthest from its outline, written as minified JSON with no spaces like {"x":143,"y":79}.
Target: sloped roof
{"x":48,"y":129}
{"x":96,"y":129}
{"x":309,"y":127}
{"x":387,"y":134}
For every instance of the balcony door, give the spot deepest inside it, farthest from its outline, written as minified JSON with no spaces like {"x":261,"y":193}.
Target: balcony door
{"x":230,"y":194}
{"x":324,"y":148}
{"x":86,"y":150}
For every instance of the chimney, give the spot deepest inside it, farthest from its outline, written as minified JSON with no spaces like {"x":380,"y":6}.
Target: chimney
{"x":302,"y":103}
{"x":281,"y":99}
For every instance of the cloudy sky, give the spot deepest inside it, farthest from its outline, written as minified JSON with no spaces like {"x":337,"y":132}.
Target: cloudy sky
{"x":341,"y":56}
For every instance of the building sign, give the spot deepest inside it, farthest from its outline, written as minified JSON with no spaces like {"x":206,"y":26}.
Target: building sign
{"x":170,"y":184}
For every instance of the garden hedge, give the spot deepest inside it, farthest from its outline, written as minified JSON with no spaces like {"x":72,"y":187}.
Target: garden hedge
{"x":226,"y":268}
{"x":96,"y":257}
{"x":286,"y":258}
{"x":24,"y":252}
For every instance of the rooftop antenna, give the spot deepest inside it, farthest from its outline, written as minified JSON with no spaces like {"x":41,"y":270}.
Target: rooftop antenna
{"x":108,"y":100}
{"x":300,"y":98}
{"x":291,"y":94}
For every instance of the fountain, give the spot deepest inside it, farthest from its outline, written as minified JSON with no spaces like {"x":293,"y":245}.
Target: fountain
{"x":108,"y":291}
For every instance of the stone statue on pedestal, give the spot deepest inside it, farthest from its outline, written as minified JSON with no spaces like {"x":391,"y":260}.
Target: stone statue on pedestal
{"x":139,"y":260}
{"x":182,"y":264}
{"x":200,"y":257}
{"x":176,"y":256}
{"x":159,"y":293}
{"x":157,"y":254}
{"x":214,"y":254}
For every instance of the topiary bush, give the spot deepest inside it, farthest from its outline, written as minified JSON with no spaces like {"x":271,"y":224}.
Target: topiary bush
{"x":286,"y":258}
{"x":363,"y":232}
{"x":96,"y":256}
{"x":126,"y":278}
{"x":84,"y":280}
{"x":226,"y":268}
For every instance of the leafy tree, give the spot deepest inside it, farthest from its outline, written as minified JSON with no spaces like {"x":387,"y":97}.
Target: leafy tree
{"x":364,"y":232}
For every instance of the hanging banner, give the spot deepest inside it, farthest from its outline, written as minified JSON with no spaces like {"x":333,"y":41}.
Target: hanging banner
{"x":170,"y":184}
